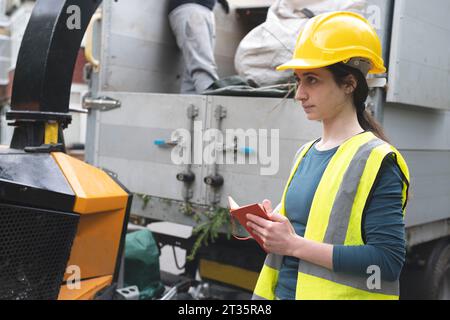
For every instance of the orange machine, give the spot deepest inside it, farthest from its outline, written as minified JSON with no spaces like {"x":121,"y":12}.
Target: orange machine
{"x":62,"y":221}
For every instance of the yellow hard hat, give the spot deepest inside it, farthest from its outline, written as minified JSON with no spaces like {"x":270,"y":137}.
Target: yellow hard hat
{"x":335,"y":37}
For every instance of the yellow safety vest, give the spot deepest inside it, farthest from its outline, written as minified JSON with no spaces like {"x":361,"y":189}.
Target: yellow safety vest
{"x":335,"y":218}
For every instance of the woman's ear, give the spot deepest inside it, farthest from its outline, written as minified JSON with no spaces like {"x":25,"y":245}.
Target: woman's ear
{"x":350,"y":84}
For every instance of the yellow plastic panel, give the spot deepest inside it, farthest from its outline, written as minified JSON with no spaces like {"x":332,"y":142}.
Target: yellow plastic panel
{"x":102,"y":204}
{"x":95,"y":191}
{"x":96,"y":243}
{"x":235,"y":276}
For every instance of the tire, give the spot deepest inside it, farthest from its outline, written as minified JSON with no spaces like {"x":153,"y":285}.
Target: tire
{"x":437,"y":274}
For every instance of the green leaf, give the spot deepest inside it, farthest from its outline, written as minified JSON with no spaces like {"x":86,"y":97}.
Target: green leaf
{"x":208,"y":228}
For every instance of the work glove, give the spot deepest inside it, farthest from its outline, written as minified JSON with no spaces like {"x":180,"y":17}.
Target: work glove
{"x":225,"y":5}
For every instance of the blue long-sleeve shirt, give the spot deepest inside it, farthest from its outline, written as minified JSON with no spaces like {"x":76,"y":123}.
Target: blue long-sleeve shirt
{"x":383,"y":225}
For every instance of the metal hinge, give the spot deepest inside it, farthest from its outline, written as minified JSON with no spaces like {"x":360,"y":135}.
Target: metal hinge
{"x":220,"y":112}
{"x":192,"y":111}
{"x":101,"y":103}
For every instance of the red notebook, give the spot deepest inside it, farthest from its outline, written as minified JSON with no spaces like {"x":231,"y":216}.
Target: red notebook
{"x":240,"y":213}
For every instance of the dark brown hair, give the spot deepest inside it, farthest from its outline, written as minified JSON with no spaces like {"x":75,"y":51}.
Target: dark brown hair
{"x":340,"y":73}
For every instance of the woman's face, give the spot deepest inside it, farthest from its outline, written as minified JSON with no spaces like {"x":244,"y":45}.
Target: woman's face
{"x":321,"y":97}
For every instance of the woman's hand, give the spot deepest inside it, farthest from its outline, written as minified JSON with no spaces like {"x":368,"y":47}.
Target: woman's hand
{"x":278,"y":234}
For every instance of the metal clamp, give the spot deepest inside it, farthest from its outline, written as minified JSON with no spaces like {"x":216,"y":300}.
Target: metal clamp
{"x":234,"y":148}
{"x":128,"y":293}
{"x":166,"y":143}
{"x":192,"y":112}
{"x":214,"y":181}
{"x":220,"y":112}
{"x":175,"y":140}
{"x":101,"y":103}
{"x":186,"y":177}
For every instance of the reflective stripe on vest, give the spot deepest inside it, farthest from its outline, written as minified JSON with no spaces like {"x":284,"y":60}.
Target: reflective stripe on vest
{"x":336,"y":217}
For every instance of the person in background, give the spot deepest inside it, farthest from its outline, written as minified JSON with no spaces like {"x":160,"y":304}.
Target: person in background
{"x":193,"y":24}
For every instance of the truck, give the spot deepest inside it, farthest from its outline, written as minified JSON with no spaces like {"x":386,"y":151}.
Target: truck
{"x":138,"y":122}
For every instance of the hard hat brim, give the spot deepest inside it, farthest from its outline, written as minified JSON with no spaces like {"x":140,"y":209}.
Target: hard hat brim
{"x":303,"y":64}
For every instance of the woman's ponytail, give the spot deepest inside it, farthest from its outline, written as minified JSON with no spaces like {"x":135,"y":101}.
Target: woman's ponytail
{"x":340,"y":73}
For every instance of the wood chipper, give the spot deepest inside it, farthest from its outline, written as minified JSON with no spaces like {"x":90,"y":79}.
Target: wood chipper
{"x":62,"y":221}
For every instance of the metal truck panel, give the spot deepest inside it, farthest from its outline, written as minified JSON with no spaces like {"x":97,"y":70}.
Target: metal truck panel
{"x":148,"y":169}
{"x":416,"y":128}
{"x":127,"y":137}
{"x":248,"y":183}
{"x":430,"y":186}
{"x":423,"y":137}
{"x":419,"y":69}
{"x":130,"y":25}
{"x":421,"y":134}
{"x":139,"y":52}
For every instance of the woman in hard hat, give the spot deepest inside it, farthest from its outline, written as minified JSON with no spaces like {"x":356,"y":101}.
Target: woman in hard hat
{"x":338,"y":232}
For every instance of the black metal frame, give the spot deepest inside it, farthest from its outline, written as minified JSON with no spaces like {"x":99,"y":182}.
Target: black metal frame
{"x":45,"y":65}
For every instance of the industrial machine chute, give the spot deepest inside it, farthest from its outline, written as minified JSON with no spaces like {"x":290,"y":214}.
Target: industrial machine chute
{"x":62,"y":221}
